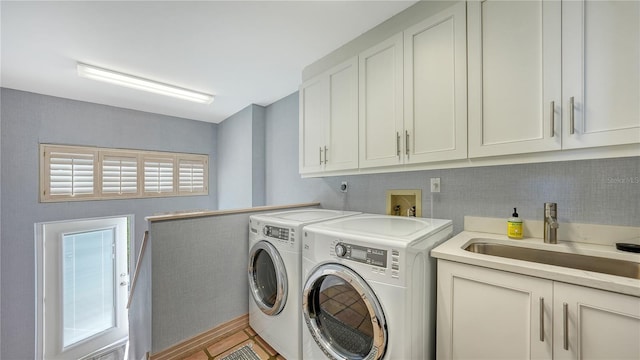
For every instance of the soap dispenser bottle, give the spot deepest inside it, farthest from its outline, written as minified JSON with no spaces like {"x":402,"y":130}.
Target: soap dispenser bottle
{"x":514,"y":226}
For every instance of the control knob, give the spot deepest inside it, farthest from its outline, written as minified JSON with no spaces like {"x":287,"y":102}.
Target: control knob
{"x":341,"y":250}
{"x":267,"y":231}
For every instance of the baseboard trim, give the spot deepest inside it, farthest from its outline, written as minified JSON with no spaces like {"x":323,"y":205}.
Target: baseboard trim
{"x":198,"y":342}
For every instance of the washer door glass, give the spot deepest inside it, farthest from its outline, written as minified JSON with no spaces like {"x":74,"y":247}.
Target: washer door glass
{"x":267,"y":278}
{"x":343,"y":314}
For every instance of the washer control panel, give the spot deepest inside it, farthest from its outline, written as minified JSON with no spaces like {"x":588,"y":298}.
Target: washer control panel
{"x":276,"y":232}
{"x":362,"y":254}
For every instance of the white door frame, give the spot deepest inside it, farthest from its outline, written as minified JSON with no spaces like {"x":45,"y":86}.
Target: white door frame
{"x":77,"y":225}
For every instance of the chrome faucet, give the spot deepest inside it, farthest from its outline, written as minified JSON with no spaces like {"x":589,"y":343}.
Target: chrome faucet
{"x":551,"y":223}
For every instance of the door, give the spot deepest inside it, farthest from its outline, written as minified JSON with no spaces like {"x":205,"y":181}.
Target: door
{"x":380,"y":106}
{"x":341,"y":139}
{"x":313,"y":113}
{"x":601,"y":75}
{"x":514,"y":77}
{"x":435,"y":95}
{"x":343,"y":314}
{"x":267,"y":278}
{"x":83,"y":284}
{"x":491,"y":314}
{"x":595,"y":324}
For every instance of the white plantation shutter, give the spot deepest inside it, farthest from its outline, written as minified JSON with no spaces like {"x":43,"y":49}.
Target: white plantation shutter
{"x":191,"y":175}
{"x":119,"y":175}
{"x":158,"y":175}
{"x":70,"y":174}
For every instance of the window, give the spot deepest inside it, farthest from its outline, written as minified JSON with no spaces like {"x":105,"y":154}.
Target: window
{"x":84,"y":173}
{"x":158,"y":175}
{"x":191,"y":175}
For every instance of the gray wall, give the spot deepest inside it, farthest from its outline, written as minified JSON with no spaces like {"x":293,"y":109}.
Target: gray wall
{"x":589,"y":191}
{"x":241,"y":159}
{"x":29,"y":119}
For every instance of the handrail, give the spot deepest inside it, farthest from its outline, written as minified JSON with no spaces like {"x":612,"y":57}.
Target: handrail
{"x":138,"y":263}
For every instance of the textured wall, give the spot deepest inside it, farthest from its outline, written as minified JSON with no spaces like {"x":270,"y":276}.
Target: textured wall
{"x":29,"y":119}
{"x":588,"y":191}
{"x":241,"y":159}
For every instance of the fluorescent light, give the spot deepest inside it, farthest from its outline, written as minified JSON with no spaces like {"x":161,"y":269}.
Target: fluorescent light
{"x":135,"y":82}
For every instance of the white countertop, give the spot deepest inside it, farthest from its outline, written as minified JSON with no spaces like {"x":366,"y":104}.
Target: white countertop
{"x":453,"y":250}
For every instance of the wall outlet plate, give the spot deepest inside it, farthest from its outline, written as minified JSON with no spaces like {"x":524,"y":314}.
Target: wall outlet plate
{"x":435,"y":185}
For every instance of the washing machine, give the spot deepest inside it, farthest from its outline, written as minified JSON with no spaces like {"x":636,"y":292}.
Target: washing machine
{"x":369,"y":288}
{"x":274,"y":275}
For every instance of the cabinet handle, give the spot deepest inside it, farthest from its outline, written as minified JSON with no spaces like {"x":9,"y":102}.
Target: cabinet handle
{"x":321,"y":155}
{"x":571,"y":115}
{"x":326,"y":151}
{"x":398,"y":144}
{"x":542,"y":319}
{"x":553,"y":118}
{"x":406,"y":140}
{"x":565,"y":325}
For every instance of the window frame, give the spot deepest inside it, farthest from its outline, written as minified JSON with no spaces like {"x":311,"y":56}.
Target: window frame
{"x":99,"y":155}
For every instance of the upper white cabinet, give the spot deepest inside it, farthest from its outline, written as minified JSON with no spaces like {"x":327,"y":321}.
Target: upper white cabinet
{"x":435,"y":88}
{"x":514,"y":77}
{"x":601,"y":73}
{"x":380,"y":105}
{"x":329,"y":120}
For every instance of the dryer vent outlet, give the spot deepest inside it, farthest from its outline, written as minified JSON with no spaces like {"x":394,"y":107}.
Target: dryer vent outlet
{"x":344,"y":186}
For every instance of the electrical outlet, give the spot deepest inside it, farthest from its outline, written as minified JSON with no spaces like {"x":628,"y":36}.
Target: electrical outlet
{"x":344,"y":186}
{"x":435,"y":185}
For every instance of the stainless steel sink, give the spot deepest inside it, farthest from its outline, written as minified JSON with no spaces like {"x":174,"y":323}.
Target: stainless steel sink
{"x":617,"y":267}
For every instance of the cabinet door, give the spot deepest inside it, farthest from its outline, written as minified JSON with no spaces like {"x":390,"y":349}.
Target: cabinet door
{"x":601,"y":53}
{"x":380,"y":105}
{"x":514,"y":76}
{"x":341,"y":152}
{"x":435,"y":83}
{"x":314,"y":101}
{"x":491,"y":314}
{"x":599,"y":324}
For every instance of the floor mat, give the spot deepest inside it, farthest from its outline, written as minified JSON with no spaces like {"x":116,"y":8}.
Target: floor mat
{"x":243,"y":353}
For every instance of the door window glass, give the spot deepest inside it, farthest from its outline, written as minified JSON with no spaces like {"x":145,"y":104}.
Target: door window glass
{"x":88,"y":284}
{"x":343,"y":317}
{"x":265,"y":278}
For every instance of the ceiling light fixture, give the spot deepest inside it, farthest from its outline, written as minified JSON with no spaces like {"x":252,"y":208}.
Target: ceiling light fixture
{"x":135,"y":82}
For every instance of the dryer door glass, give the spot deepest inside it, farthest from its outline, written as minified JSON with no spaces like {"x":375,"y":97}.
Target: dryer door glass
{"x":343,"y":314}
{"x":267,"y":278}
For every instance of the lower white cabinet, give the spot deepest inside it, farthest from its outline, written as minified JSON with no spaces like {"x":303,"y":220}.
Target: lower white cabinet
{"x":492,"y":314}
{"x":599,"y":324}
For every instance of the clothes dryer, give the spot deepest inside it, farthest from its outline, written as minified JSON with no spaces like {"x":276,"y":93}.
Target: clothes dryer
{"x":369,"y":289}
{"x":274,"y":275}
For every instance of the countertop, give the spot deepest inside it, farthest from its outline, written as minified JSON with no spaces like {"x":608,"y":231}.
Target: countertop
{"x":453,"y":250}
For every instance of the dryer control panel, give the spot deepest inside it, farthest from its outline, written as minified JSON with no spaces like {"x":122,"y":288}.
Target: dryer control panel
{"x":366,"y":255}
{"x":276,"y":232}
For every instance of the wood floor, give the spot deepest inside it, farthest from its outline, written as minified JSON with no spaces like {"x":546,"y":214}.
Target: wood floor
{"x":232,"y":342}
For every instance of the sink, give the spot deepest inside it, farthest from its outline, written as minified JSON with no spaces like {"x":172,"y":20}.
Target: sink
{"x":629,"y":269}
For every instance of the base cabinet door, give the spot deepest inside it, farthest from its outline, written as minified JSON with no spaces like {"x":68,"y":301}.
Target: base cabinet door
{"x":490,"y":314}
{"x":595,"y":324}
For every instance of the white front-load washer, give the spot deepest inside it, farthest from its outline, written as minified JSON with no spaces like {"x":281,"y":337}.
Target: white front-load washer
{"x":369,"y":288}
{"x":274,"y":275}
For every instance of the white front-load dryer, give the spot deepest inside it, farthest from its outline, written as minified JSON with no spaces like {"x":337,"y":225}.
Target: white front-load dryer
{"x":369,"y":288}
{"x":274,"y":275}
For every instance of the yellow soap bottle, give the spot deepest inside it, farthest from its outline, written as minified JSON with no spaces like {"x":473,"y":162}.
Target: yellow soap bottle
{"x":514,"y":226}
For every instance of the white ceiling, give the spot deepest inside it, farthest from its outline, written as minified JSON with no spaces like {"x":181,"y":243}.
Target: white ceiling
{"x":243,"y":52}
